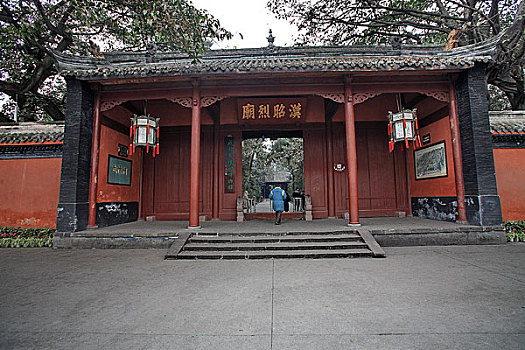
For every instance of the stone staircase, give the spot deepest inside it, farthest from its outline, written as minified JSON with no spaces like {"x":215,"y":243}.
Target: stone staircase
{"x":312,"y":245}
{"x":271,"y":216}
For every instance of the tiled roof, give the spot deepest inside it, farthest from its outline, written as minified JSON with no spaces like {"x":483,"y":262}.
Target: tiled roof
{"x":32,"y":133}
{"x":507,"y":123}
{"x":274,"y":60}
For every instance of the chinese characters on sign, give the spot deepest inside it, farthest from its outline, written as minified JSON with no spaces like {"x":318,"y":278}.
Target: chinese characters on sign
{"x":119,"y":171}
{"x":277,"y":111}
{"x":271,"y":110}
{"x":229,"y":165}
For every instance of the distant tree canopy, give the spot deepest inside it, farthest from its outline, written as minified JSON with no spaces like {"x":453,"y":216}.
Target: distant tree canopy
{"x":261,"y":157}
{"x":30,"y":31}
{"x":361,"y":22}
{"x":254,"y":165}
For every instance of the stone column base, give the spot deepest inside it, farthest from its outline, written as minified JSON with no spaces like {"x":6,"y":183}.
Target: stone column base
{"x":483,"y":210}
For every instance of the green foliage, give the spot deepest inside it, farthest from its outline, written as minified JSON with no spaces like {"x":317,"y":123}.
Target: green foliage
{"x":16,"y":237}
{"x":287,"y":154}
{"x":31,"y":31}
{"x":261,"y":157}
{"x":515,"y":231}
{"x":497,"y":99}
{"x":254,"y":164}
{"x":371,"y":22}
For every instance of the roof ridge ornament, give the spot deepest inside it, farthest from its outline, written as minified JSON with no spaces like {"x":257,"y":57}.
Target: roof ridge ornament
{"x":151,"y":52}
{"x":396,"y":43}
{"x":271,"y":39}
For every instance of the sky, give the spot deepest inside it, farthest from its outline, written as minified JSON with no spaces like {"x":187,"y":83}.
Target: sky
{"x":250,"y":18}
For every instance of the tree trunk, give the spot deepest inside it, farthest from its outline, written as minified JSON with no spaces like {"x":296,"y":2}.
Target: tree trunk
{"x":517,"y":101}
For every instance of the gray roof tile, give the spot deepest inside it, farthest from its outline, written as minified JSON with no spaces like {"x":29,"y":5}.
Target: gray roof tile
{"x":32,"y":133}
{"x":507,"y":122}
{"x":274,"y":60}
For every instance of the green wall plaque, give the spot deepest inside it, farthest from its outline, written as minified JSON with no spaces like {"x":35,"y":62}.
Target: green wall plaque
{"x":119,"y":171}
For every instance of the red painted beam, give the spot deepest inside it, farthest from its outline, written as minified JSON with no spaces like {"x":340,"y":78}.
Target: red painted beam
{"x":456,"y":150}
{"x":94,"y":163}
{"x":351,"y":155}
{"x":240,"y":89}
{"x":195,"y":156}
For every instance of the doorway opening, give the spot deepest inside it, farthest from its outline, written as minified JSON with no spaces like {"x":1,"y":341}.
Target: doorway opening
{"x":272,"y":159}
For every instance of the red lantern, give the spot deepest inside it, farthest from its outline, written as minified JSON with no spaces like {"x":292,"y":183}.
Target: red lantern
{"x":402,"y":126}
{"x":144,"y":131}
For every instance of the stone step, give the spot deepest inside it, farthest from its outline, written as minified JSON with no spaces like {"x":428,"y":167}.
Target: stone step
{"x":271,"y":216}
{"x":276,"y":245}
{"x":273,"y":246}
{"x":276,"y":254}
{"x":276,"y":238}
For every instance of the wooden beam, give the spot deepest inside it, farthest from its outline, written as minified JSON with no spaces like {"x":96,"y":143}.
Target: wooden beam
{"x":434,"y":117}
{"x":131,"y":108}
{"x":113,"y":124}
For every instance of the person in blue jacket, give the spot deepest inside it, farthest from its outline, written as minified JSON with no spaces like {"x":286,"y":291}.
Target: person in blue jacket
{"x":278,"y":195}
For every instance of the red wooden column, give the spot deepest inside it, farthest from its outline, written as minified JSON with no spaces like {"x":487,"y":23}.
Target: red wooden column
{"x":216,"y":169}
{"x":195,"y":164}
{"x":351,"y":155}
{"x":456,"y":150}
{"x":94,"y":163}
{"x":330,"y":163}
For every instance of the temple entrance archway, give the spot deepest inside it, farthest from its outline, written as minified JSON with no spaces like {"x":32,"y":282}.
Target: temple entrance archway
{"x":270,"y":158}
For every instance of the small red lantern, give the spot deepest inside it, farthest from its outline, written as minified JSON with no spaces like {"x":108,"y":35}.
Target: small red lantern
{"x":144,"y":131}
{"x":402,"y":126}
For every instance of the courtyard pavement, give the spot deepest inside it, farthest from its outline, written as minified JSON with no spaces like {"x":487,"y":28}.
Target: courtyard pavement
{"x":454,"y":297}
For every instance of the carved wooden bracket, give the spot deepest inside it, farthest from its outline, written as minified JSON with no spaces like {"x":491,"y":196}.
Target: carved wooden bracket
{"x":108,"y":104}
{"x":183,"y":101}
{"x":188,"y":101}
{"x":360,"y":98}
{"x":438,"y":95}
{"x":339,"y":98}
{"x":209,"y":100}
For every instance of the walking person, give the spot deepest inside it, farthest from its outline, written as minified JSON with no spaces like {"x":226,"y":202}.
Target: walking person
{"x":287,"y":200}
{"x":278,"y":196}
{"x":297,"y":200}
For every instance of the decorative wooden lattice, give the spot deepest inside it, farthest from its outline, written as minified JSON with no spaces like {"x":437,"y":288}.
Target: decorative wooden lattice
{"x":360,"y":98}
{"x":339,"y":98}
{"x":188,"y":101}
{"x":183,"y":101}
{"x":209,"y":100}
{"x":109,"y":104}
{"x":438,"y":95}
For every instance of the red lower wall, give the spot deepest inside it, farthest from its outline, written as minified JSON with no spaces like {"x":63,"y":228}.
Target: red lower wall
{"x":510,"y":167}
{"x":109,"y":141}
{"x":442,"y":186}
{"x":29,"y":192}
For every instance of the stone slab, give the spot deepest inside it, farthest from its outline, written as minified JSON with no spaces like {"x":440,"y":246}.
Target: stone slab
{"x":451,"y":297}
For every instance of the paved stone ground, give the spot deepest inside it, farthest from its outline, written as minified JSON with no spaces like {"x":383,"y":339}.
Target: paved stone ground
{"x":324,"y":225}
{"x":458,"y":297}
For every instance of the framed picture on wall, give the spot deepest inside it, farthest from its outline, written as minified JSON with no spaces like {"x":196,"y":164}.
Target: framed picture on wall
{"x":119,"y":171}
{"x":431,"y":161}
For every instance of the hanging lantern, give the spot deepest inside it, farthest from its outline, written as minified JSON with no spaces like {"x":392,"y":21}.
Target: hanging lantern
{"x":144,"y":132}
{"x":402,"y":126}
